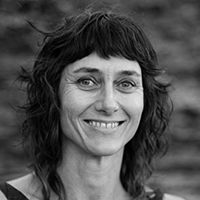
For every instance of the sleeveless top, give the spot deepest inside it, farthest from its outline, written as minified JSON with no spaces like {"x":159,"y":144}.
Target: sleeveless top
{"x":12,"y":193}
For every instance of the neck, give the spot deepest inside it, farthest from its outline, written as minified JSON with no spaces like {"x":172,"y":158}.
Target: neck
{"x":88,"y":177}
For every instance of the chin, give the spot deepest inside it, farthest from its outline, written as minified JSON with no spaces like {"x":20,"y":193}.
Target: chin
{"x":105,"y":151}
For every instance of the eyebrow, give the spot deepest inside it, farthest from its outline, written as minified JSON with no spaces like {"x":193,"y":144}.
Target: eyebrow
{"x":129,"y":73}
{"x":87,"y":70}
{"x":95,"y":70}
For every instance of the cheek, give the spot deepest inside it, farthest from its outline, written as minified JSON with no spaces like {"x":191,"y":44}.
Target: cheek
{"x":134,"y":104}
{"x":74,"y":102}
{"x":134,"y":109}
{"x":68,"y":100}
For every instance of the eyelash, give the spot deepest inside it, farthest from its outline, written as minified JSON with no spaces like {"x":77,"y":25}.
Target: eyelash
{"x":131,"y":84}
{"x":80,"y":82}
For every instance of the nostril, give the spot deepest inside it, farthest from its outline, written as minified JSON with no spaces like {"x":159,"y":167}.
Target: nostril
{"x":110,"y":106}
{"x":107,"y":107}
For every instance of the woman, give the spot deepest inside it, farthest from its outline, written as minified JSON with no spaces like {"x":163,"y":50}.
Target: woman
{"x":95,"y":113}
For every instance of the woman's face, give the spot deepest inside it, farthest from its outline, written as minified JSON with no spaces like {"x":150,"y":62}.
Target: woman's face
{"x":101,"y":103}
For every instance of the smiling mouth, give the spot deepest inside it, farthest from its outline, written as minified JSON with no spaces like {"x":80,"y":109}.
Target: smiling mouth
{"x":107,"y":125}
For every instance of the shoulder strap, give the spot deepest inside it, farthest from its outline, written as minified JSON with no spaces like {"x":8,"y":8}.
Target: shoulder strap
{"x":155,"y":195}
{"x":11,"y":193}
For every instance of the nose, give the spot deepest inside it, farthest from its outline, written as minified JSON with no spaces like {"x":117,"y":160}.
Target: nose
{"x":107,"y":102}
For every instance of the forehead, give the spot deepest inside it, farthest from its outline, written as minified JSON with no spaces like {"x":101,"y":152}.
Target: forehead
{"x":93,"y":63}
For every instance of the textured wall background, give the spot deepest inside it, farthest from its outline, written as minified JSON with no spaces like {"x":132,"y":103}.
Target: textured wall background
{"x":174,"y":29}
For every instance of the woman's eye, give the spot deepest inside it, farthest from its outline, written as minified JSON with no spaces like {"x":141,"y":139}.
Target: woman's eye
{"x":126,"y":85}
{"x":87,"y":83}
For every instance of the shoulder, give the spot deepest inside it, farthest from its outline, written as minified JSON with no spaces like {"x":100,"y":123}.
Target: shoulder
{"x":165,"y":195}
{"x":27,"y":185}
{"x":172,"y":197}
{"x":2,"y":197}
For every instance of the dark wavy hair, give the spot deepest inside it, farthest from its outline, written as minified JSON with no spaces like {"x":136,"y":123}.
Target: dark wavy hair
{"x":108,"y":34}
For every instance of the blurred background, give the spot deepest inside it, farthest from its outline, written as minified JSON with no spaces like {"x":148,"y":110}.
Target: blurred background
{"x":174,"y":30}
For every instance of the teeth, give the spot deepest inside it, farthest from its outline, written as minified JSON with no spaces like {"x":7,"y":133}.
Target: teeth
{"x":108,"y":125}
{"x":94,"y":123}
{"x":103,"y":125}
